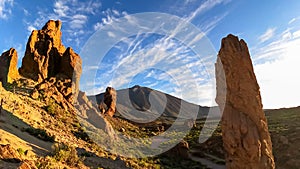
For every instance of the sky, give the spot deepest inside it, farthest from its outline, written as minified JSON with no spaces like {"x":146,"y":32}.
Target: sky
{"x":168,"y":45}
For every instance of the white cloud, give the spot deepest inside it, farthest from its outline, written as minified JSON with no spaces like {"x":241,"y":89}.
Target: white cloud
{"x":110,"y":15}
{"x":78,"y":21}
{"x":73,"y":13}
{"x":60,"y":8}
{"x":279,"y":78}
{"x":30,"y":28}
{"x":207,"y":5}
{"x":293,"y":20}
{"x":267,"y":35}
{"x":5,"y":8}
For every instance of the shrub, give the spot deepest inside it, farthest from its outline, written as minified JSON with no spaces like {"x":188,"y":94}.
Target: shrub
{"x":67,"y":154}
{"x":40,"y":133}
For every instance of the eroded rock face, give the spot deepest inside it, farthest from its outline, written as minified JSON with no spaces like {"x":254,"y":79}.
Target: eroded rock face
{"x":246,"y":138}
{"x":46,"y":60}
{"x":110,"y":99}
{"x":86,"y":110}
{"x":8,"y":66}
{"x":43,"y":52}
{"x":59,"y":90}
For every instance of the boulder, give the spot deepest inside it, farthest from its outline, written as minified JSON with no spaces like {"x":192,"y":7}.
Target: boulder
{"x":245,"y":134}
{"x":8,"y":66}
{"x":180,"y":150}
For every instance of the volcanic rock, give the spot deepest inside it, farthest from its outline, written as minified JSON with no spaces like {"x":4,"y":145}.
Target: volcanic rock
{"x":246,"y":138}
{"x":8,"y":66}
{"x":71,"y":64}
{"x":58,"y":90}
{"x":110,"y":99}
{"x":47,"y":61}
{"x":86,"y":110}
{"x":43,"y":52}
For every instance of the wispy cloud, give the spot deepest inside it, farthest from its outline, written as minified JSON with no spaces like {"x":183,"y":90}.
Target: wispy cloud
{"x":5,"y":8}
{"x":293,"y":20}
{"x":267,"y":35}
{"x":207,"y":5}
{"x":165,"y":53}
{"x":73,"y":13}
{"x":109,"y":15}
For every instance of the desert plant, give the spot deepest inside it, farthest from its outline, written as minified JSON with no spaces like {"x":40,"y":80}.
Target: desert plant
{"x":66,"y":154}
{"x":21,"y":151}
{"x":40,"y":133}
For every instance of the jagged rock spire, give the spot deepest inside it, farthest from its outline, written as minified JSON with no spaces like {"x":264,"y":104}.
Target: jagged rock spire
{"x":246,"y":138}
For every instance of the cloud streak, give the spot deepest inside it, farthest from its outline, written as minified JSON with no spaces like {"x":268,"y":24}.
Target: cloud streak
{"x":73,"y":13}
{"x":267,"y":35}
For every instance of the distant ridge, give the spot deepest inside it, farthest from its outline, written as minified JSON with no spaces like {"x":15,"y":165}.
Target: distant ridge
{"x":137,"y":99}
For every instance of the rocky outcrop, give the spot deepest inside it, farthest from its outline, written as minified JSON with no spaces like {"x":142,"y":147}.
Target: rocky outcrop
{"x":246,"y":138}
{"x":87,"y":110}
{"x":70,"y":68}
{"x":47,"y":61}
{"x":43,"y":52}
{"x":110,"y":99}
{"x":8,"y":66}
{"x":59,"y":90}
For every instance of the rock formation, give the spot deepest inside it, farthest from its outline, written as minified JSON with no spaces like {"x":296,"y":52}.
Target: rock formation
{"x":246,"y":138}
{"x":58,"y":90}
{"x":180,"y":150}
{"x":43,"y":52}
{"x":110,"y":99}
{"x":87,"y":111}
{"x":47,"y":61}
{"x":8,"y":66}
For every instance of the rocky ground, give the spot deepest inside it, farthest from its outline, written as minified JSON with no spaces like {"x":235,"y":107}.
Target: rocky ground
{"x":32,"y":135}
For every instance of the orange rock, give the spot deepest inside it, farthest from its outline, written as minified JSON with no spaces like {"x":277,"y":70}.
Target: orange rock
{"x":246,"y":138}
{"x":8,"y":66}
{"x":110,"y":99}
{"x":46,"y":58}
{"x":43,"y":52}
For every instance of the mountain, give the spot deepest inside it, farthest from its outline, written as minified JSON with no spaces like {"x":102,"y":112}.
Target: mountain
{"x":135,"y":103}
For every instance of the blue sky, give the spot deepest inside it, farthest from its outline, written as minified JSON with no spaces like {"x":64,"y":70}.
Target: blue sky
{"x":271,"y":29}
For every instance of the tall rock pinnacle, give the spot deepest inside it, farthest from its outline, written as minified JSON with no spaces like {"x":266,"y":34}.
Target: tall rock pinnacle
{"x":245,"y":132}
{"x":47,"y":60}
{"x":43,"y":52}
{"x":8,"y":66}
